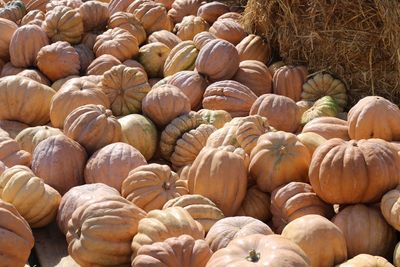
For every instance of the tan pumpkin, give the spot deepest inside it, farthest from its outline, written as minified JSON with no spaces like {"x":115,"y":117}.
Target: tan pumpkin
{"x":153,"y":16}
{"x":281,"y":111}
{"x":25,"y":55}
{"x":11,"y":154}
{"x":379,"y":238}
{"x":374,"y":117}
{"x":24,"y":100}
{"x":17,"y":240}
{"x":160,"y":225}
{"x":389,"y":204}
{"x":115,"y":6}
{"x":61,"y":54}
{"x":49,"y":162}
{"x":165,"y":103}
{"x":328,"y":127}
{"x":202,"y":38}
{"x":311,"y":140}
{"x":78,"y":196}
{"x":64,"y":24}
{"x":35,"y":75}
{"x":7,"y":29}
{"x":117,"y":42}
{"x":229,"y":30}
{"x":182,"y":57}
{"x":190,"y":26}
{"x":33,"y":17}
{"x":366,"y":260}
{"x":73,"y":94}
{"x":12,"y":128}
{"x":166,"y":3}
{"x":217,"y":118}
{"x":218,"y":60}
{"x":256,"y":204}
{"x":59,"y":83}
{"x":94,"y":15}
{"x":36,"y":5}
{"x":255,"y":75}
{"x":89,"y":38}
{"x":253,"y":47}
{"x":86,"y":56}
{"x":231,"y":96}
{"x":129,"y":22}
{"x":8,"y":70}
{"x":231,"y":228}
{"x":13,"y":10}
{"x":368,"y":169}
{"x":211,"y":11}
{"x":109,"y":247}
{"x":19,"y":186}
{"x":74,"y":4}
{"x":183,"y":8}
{"x":152,"y":56}
{"x":175,"y":251}
{"x":102,"y":64}
{"x":288,"y":81}
{"x":30,"y":137}
{"x":231,"y":15}
{"x":225,"y":169}
{"x":165,"y":37}
{"x":396,"y":256}
{"x":307,"y":231}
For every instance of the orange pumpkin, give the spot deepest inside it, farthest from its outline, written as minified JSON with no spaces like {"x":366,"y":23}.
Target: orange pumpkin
{"x":7,"y":29}
{"x":152,"y":16}
{"x":229,"y":30}
{"x":211,"y":11}
{"x":255,"y":75}
{"x":256,"y":204}
{"x":288,"y":81}
{"x":129,"y":22}
{"x":183,"y":8}
{"x":11,"y":154}
{"x":253,"y":47}
{"x":190,"y":26}
{"x":165,"y":37}
{"x":94,"y":15}
{"x":35,"y":75}
{"x":102,"y":64}
{"x":328,"y":127}
{"x":115,"y":6}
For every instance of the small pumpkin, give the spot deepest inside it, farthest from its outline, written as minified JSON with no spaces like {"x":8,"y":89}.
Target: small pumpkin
{"x":211,"y":11}
{"x":323,"y":107}
{"x":102,"y":64}
{"x":129,"y":22}
{"x":183,"y":8}
{"x":253,"y":47}
{"x":190,"y":26}
{"x":217,"y":118}
{"x":152,"y":56}
{"x":153,"y":16}
{"x":328,"y":127}
{"x":255,"y":75}
{"x":288,"y":81}
{"x":165,"y":37}
{"x":182,"y":57}
{"x":256,"y":204}
{"x":30,"y":137}
{"x":11,"y":154}
{"x":94,"y":15}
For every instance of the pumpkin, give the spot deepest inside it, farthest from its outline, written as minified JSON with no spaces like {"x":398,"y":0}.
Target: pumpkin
{"x":86,"y":56}
{"x":52,"y":4}
{"x":249,"y":131}
{"x":59,"y":83}
{"x":277,"y":159}
{"x":116,"y":42}
{"x":281,"y":111}
{"x":328,"y":127}
{"x":19,"y":186}
{"x":211,"y":11}
{"x":24,"y":100}
{"x":129,"y":22}
{"x":389,"y":203}
{"x":33,"y":17}
{"x":366,"y":260}
{"x":7,"y":29}
{"x":229,"y":30}
{"x":323,"y":107}
{"x":64,"y":24}
{"x":13,"y":128}
{"x":165,"y":103}
{"x":378,"y":237}
{"x":30,"y":137}
{"x":183,"y":8}
{"x":260,"y":250}
{"x":61,"y":54}
{"x":115,"y":6}
{"x":256,"y":204}
{"x":14,"y":11}
{"x":217,"y":118}
{"x":311,"y":140}
{"x":35,"y":75}
{"x":231,"y":96}
{"x":306,"y":232}
{"x":89,"y":38}
{"x":202,"y":38}
{"x":160,"y":225}
{"x":255,"y":75}
{"x":231,"y":15}
{"x":11,"y":154}
{"x":17,"y":238}
{"x":276,"y":66}
{"x":367,"y":168}
{"x":60,"y":162}
{"x":225,"y":169}
{"x":166,"y":3}
{"x":152,"y":16}
{"x":175,"y":251}
{"x":152,"y":56}
{"x":182,"y":57}
{"x":94,"y":15}
{"x":190,"y":26}
{"x":36,"y":5}
{"x":108,"y":247}
{"x":78,"y":196}
{"x":102,"y":64}
{"x":165,"y":37}
{"x":253,"y":47}
{"x":217,"y":60}
{"x":3,"y":133}
{"x":73,"y":94}
{"x":324,"y":84}
{"x":304,"y":106}
{"x":288,"y":81}
{"x":8,"y":70}
{"x":374,"y":117}
{"x":396,"y":256}
{"x":92,"y":126}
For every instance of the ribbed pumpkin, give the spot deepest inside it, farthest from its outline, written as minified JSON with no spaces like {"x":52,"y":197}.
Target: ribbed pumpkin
{"x":24,"y":56}
{"x":35,"y":75}
{"x":378,"y":237}
{"x":211,"y":11}
{"x":152,"y":16}
{"x":8,"y":70}
{"x":59,"y":83}
{"x":182,"y":57}
{"x":64,"y":24}
{"x":165,"y":37}
{"x":202,"y":38}
{"x":255,"y":75}
{"x":311,"y":140}
{"x":74,"y":4}
{"x":94,"y":15}
{"x":73,"y":94}
{"x":60,"y":162}
{"x":256,"y":204}
{"x":282,"y":112}
{"x":165,"y":103}
{"x":160,"y":225}
{"x":30,"y":137}
{"x":117,"y":42}
{"x":102,"y":64}
{"x":13,"y":128}
{"x":17,"y":240}
{"x":229,"y":30}
{"x":152,"y":56}
{"x":118,"y":5}
{"x":396,"y":256}
{"x":217,"y":118}
{"x":328,"y":127}
{"x":225,"y":169}
{"x":86,"y":57}
{"x":323,"y":107}
{"x":279,"y":158}
{"x":7,"y":29}
{"x":231,"y":96}
{"x":125,"y":88}
{"x":230,"y":228}
{"x":92,"y":126}
{"x":19,"y":186}
{"x":108,"y":247}
{"x":175,"y":251}
{"x":183,"y":8}
{"x":24,"y":100}
{"x":36,"y":5}
{"x":129,"y":22}
{"x":218,"y":60}
{"x":11,"y":154}
{"x":253,"y":47}
{"x":190,"y":26}
{"x":374,"y":117}
{"x":389,"y":204}
{"x":288,"y":81}
{"x":13,"y":11}
{"x":249,"y":131}
{"x":366,"y":260}
{"x":61,"y":54}
{"x":368,"y":169}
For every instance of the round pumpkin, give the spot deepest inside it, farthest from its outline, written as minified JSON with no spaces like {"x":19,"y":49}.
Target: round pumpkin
{"x":7,"y":29}
{"x":288,"y":81}
{"x":19,"y":186}
{"x":94,"y":15}
{"x":183,"y":8}
{"x":152,"y":56}
{"x":182,"y":57}
{"x":36,"y":5}
{"x":165,"y":37}
{"x":253,"y":47}
{"x":211,"y":11}
{"x":323,"y":107}
{"x":129,"y":22}
{"x":255,"y":75}
{"x":35,"y":75}
{"x":74,"y":4}
{"x":86,"y":56}
{"x":256,"y":204}
{"x":153,"y":16}
{"x":8,"y":70}
{"x":11,"y":154}
{"x":248,"y":132}
{"x":190,"y":26}
{"x":311,"y":140}
{"x":102,"y":64}
{"x":118,"y":6}
{"x":366,"y":260}
{"x":229,"y":30}
{"x":30,"y":137}
{"x":389,"y":204}
{"x":13,"y":10}
{"x":202,"y":38}
{"x":328,"y":127}
{"x":217,"y":118}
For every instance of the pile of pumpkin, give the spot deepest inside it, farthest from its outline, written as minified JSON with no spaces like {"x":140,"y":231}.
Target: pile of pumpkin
{"x":155,"y":134}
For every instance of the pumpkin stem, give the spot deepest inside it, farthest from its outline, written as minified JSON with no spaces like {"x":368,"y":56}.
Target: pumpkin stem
{"x":253,"y":256}
{"x":166,"y":185}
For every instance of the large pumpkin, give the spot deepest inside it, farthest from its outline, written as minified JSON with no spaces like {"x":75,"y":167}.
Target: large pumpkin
{"x":152,"y":56}
{"x":94,"y":15}
{"x":165,"y":37}
{"x":118,"y":5}
{"x":211,"y":11}
{"x":202,"y":38}
{"x":102,"y":64}
{"x":367,"y":168}
{"x":288,"y":81}
{"x":30,"y":137}
{"x":35,"y":17}
{"x":328,"y":127}
{"x":35,"y":75}
{"x":389,"y":203}
{"x":7,"y":29}
{"x":190,"y":26}
{"x":366,"y":260}
{"x":182,"y":57}
{"x":183,"y":8}
{"x":13,"y":10}
{"x":129,"y":22}
{"x":153,"y":16}
{"x":256,"y":204}
{"x":229,"y":30}
{"x":253,"y":47}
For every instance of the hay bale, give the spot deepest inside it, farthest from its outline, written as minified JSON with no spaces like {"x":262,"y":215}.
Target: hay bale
{"x":358,"y":41}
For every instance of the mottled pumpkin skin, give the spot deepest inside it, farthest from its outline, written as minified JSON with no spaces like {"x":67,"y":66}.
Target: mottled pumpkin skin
{"x":288,"y":81}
